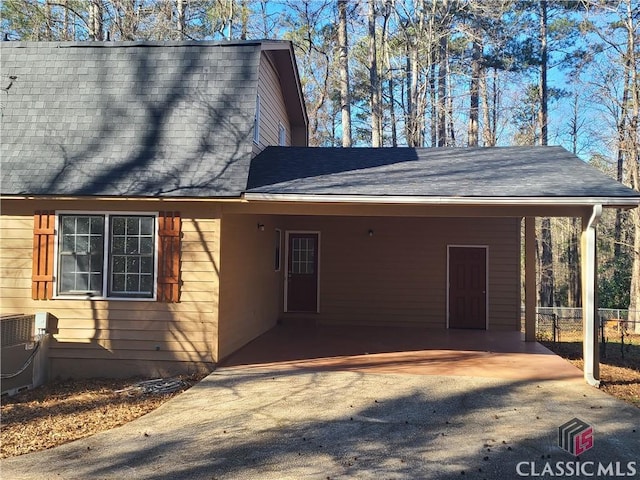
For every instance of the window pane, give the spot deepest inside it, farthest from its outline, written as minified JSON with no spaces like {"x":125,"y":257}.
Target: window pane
{"x":117,"y":226}
{"x":133,"y":226}
{"x":96,"y":243}
{"x":118,"y":283}
{"x":82,"y":224}
{"x":146,"y":245}
{"x":133,"y":264}
{"x":97,"y":225}
{"x":82,"y":263}
{"x":118,"y":264}
{"x":146,"y":226}
{"x":132,"y":283}
{"x":67,"y":282}
{"x":146,"y":283}
{"x":96,"y":282}
{"x":117,"y":245}
{"x":132,"y":246}
{"x":68,"y":243}
{"x":82,"y":244}
{"x":82,"y":282}
{"x":68,"y":225}
{"x":146,"y":265}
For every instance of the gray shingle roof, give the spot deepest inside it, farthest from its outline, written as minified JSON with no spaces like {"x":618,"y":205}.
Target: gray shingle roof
{"x":127,"y":118}
{"x":428,"y":172}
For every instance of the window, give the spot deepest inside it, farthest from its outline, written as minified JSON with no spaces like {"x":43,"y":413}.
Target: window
{"x":282,"y":135}
{"x":278,"y":242}
{"x":256,"y":122}
{"x":109,"y":255}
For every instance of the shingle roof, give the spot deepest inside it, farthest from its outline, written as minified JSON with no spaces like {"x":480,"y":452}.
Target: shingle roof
{"x":430,"y":172}
{"x":127,"y":118}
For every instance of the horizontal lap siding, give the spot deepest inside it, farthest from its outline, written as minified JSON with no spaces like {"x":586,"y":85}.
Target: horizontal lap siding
{"x":398,"y":275}
{"x":139,"y":334}
{"x":272,"y":107}
{"x":251,"y":290}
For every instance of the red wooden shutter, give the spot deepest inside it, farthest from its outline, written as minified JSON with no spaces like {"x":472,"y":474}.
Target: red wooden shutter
{"x":43,"y":240}
{"x":169,"y":228}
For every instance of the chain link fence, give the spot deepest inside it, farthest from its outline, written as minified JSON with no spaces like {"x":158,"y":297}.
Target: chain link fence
{"x":564,"y":324}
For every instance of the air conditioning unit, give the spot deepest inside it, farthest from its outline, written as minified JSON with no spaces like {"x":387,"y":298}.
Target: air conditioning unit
{"x":23,"y":352}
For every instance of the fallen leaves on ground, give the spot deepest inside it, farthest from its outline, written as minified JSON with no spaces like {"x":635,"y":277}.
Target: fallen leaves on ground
{"x":63,"y":411}
{"x":621,"y":382}
{"x":619,"y":368}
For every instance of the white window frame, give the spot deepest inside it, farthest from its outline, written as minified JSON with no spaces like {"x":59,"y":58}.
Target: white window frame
{"x":256,"y":122}
{"x":105,"y":267}
{"x":282,"y":135}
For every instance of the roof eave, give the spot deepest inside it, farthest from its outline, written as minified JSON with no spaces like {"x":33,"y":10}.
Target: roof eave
{"x":607,"y":202}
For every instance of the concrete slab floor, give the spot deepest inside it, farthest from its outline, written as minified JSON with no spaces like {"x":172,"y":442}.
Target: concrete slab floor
{"x":409,"y":350}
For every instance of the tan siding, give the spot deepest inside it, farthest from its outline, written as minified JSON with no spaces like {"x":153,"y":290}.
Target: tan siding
{"x":249,"y":295}
{"x":139,"y":334}
{"x":398,"y":276}
{"x":272,"y":107}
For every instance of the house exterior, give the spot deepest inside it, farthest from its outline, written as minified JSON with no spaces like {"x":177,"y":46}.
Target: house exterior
{"x":160,"y":201}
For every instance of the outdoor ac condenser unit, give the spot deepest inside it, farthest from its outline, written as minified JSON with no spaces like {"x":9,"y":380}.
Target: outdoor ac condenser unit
{"x":24,"y":342}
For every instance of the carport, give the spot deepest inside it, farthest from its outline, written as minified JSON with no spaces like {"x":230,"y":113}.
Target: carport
{"x":471,"y":200}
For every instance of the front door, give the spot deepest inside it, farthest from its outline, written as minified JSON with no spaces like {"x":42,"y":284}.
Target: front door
{"x":468,"y":287}
{"x":302,"y":273}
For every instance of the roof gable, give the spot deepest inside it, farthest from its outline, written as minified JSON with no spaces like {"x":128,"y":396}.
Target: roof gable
{"x":132,"y":119}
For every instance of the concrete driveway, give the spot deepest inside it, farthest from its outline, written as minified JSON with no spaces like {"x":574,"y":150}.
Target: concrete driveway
{"x":265,"y":422}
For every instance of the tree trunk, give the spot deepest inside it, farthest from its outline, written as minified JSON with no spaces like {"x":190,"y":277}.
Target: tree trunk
{"x":390,"y":82}
{"x":433,"y":97}
{"x":442,"y":92}
{"x":547,"y":292}
{"x":180,"y":7}
{"x":487,"y":130}
{"x":95,"y":20}
{"x":495,"y":106}
{"x":574,"y":291}
{"x":413,"y":135}
{"x":374,"y":79}
{"x":574,"y":295}
{"x":474,"y":90}
{"x":633,"y":160}
{"x":621,"y":151}
{"x":543,"y":74}
{"x":48,"y":17}
{"x":343,"y":59}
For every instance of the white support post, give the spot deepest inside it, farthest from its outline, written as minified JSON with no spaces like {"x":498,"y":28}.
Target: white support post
{"x":530,"y":279}
{"x":590,"y":322}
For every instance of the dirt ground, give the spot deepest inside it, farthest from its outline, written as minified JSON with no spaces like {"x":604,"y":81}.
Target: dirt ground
{"x":63,"y":411}
{"x":619,"y":364}
{"x":68,"y":410}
